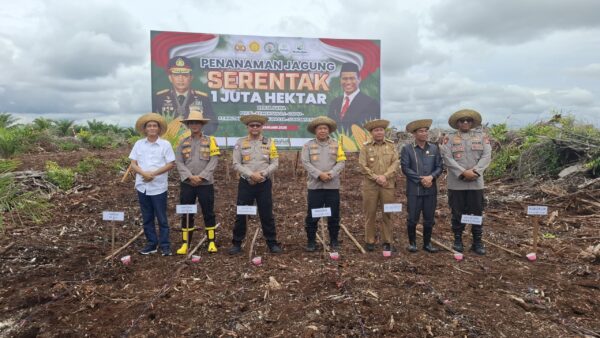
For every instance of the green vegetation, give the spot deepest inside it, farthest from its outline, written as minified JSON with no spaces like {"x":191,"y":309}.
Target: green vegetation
{"x":88,"y":165}
{"x":544,"y":148}
{"x":16,"y":203}
{"x":64,"y":178}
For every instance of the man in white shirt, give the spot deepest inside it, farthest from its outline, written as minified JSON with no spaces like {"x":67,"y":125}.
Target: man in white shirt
{"x":151,"y":159}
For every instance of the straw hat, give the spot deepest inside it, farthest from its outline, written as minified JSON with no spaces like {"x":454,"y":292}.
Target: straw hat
{"x":376,"y":124}
{"x":465,"y":113}
{"x":140,"y":124}
{"x":246,"y":119}
{"x":321,"y":120}
{"x":196,"y":116}
{"x":418,"y":124}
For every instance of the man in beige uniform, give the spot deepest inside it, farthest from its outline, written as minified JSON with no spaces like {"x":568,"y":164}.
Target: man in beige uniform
{"x":324,"y":159}
{"x":255,"y":158}
{"x":196,"y":159}
{"x":378,"y":162}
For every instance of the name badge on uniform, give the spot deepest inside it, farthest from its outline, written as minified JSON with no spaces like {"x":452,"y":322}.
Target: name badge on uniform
{"x":371,"y":159}
{"x":246,"y":157}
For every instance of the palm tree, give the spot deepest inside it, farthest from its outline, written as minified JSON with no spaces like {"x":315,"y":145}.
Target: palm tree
{"x":64,"y":127}
{"x":42,"y":123}
{"x":7,"y":120}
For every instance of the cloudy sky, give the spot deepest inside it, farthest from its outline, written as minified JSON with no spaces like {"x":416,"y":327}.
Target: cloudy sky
{"x":513,"y":60}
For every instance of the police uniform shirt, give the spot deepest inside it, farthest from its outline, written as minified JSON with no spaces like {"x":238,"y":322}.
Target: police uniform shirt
{"x":193,"y":159}
{"x":379,"y":159}
{"x":319,"y":157}
{"x":251,"y":156}
{"x":463,"y":151}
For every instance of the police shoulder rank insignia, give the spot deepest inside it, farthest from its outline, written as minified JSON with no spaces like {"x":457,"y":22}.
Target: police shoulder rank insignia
{"x":160,"y":92}
{"x":200,"y":93}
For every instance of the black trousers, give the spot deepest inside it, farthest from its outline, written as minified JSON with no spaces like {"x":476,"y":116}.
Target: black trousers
{"x":417,"y":205}
{"x":469,"y":202}
{"x":262,"y":194}
{"x":206,"y":196}
{"x":323,"y":198}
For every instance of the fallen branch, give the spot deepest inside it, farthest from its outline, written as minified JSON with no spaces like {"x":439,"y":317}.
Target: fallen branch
{"x":502,"y":248}
{"x":325,"y":246}
{"x":201,"y":242}
{"x":353,"y":239}
{"x":126,"y":174}
{"x":6,"y":248}
{"x":440,"y":244}
{"x":124,"y":246}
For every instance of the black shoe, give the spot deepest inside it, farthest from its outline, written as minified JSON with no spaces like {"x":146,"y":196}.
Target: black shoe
{"x":458,"y":244}
{"x":387,"y":247}
{"x":412,"y":247}
{"x":430,"y":248}
{"x":311,"y":246}
{"x":334,"y":245}
{"x":478,"y":248}
{"x":370,"y":247}
{"x":235,"y":249}
{"x":148,"y":250}
{"x":274,"y":248}
{"x":166,"y":252}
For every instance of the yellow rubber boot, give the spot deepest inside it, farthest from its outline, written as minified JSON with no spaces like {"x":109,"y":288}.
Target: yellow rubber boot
{"x":184,"y":247}
{"x":210,"y":234}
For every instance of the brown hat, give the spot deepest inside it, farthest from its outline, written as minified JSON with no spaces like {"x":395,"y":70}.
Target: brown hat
{"x":140,"y":124}
{"x":196,"y":116}
{"x":376,"y":124}
{"x":246,"y":119}
{"x":465,"y":113}
{"x":418,"y":124}
{"x":321,"y":120}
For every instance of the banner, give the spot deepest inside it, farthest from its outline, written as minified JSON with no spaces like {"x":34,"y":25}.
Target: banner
{"x":291,"y":80}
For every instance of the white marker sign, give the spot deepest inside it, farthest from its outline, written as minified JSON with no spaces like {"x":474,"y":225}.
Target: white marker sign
{"x":539,"y":210}
{"x":320,"y":212}
{"x":471,"y":219}
{"x":186,"y":208}
{"x":113,"y":216}
{"x":246,"y":209}
{"x":392,"y":207}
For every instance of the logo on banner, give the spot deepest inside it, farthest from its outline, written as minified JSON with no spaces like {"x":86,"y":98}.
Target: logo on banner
{"x":240,"y":47}
{"x":254,"y":46}
{"x":300,"y":49}
{"x":284,"y":48}
{"x":269,"y":47}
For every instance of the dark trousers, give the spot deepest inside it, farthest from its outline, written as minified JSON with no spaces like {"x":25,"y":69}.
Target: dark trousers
{"x":155,"y":206}
{"x":323,"y":198}
{"x":468,"y":202}
{"x":417,"y":205}
{"x":262,"y":194}
{"x":206,"y":196}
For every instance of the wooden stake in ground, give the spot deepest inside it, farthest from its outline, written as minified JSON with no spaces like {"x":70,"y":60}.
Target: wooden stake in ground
{"x":536,"y":233}
{"x":112,"y":235}
{"x":252,"y":244}
{"x":352,"y":238}
{"x":124,"y":246}
{"x":322,"y":226}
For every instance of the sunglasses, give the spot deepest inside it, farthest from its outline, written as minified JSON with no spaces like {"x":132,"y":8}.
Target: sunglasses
{"x":254,"y":125}
{"x":465,"y":121}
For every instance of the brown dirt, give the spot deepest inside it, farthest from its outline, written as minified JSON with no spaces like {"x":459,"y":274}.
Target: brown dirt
{"x":55,"y":282}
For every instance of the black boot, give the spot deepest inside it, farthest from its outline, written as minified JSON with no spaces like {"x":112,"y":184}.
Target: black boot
{"x":412,"y":239}
{"x":458,"y":244}
{"x":477,"y":245}
{"x":235,"y":249}
{"x":311,"y":245}
{"x":427,"y":240}
{"x":334,"y":244}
